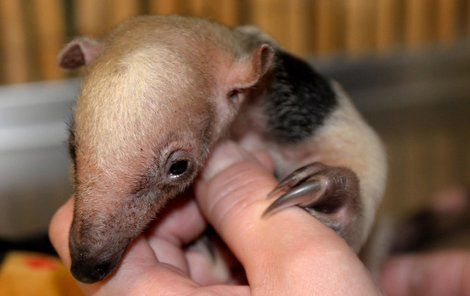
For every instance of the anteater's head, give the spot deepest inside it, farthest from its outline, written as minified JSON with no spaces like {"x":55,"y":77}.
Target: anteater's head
{"x":156,"y":95}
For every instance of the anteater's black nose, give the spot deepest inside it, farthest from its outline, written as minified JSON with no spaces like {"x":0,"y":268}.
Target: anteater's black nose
{"x":91,"y":264}
{"x":91,"y":272}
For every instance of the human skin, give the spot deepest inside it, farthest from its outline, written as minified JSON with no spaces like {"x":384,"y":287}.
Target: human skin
{"x":436,"y":273}
{"x":288,"y":252}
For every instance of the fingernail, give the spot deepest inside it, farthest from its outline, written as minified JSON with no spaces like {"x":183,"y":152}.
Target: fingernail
{"x":224,"y":155}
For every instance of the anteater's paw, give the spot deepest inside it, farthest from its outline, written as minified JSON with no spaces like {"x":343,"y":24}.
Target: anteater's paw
{"x":331,"y":194}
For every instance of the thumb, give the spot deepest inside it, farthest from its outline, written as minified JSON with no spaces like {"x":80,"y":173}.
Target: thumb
{"x":231,"y":180}
{"x":278,"y":252}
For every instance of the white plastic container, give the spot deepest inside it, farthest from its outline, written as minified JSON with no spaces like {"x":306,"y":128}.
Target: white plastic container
{"x":34,"y":161}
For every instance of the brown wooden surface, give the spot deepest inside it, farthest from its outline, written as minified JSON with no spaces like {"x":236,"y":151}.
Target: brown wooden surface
{"x":90,"y":17}
{"x":229,"y":12}
{"x":300,"y":26}
{"x":272,"y":15}
{"x":360,"y":26}
{"x":417,"y":23}
{"x":15,"y":55}
{"x":122,"y":10}
{"x":33,"y":31}
{"x":387,"y":21}
{"x":447,"y":17}
{"x":164,"y":7}
{"x":49,"y":23}
{"x":328,"y":21}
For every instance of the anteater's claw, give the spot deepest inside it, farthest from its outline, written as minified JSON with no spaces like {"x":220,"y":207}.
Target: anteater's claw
{"x":303,"y":195}
{"x":321,"y":190}
{"x":296,"y":177}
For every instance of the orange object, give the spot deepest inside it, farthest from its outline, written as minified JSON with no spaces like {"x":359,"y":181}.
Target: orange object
{"x":35,"y":274}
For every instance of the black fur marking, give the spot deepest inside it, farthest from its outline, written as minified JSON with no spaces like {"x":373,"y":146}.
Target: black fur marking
{"x":298,"y":100}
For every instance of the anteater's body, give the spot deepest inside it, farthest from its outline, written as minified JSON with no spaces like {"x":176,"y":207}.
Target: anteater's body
{"x":160,"y":92}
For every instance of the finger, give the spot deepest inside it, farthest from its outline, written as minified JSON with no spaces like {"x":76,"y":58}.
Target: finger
{"x":282,"y":248}
{"x":252,"y":145}
{"x":59,"y":230}
{"x":138,"y":265}
{"x":443,"y":273}
{"x":264,"y":159}
{"x":180,"y":224}
{"x":209,"y":263}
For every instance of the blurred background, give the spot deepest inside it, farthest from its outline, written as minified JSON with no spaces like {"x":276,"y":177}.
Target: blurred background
{"x":406,"y":64}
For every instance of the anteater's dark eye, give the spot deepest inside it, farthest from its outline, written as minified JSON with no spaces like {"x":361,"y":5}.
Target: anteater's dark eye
{"x":178,"y":168}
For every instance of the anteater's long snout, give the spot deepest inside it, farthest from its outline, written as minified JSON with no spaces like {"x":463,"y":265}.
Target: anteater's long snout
{"x":92,"y":262}
{"x":103,"y":227}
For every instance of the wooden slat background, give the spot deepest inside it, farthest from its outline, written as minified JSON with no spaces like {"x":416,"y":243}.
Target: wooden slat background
{"x":33,"y":31}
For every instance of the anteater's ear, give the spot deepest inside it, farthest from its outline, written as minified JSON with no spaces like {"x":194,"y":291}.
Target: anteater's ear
{"x":79,"y":52}
{"x":250,"y":69}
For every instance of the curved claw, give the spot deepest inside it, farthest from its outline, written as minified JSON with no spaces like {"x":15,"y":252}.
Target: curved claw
{"x":330,"y":194}
{"x":303,"y":195}
{"x":296,"y":177}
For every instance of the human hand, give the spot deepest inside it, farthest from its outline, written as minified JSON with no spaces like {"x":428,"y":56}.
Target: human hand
{"x":289,"y":252}
{"x":437,"y":273}
{"x":443,"y":272}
